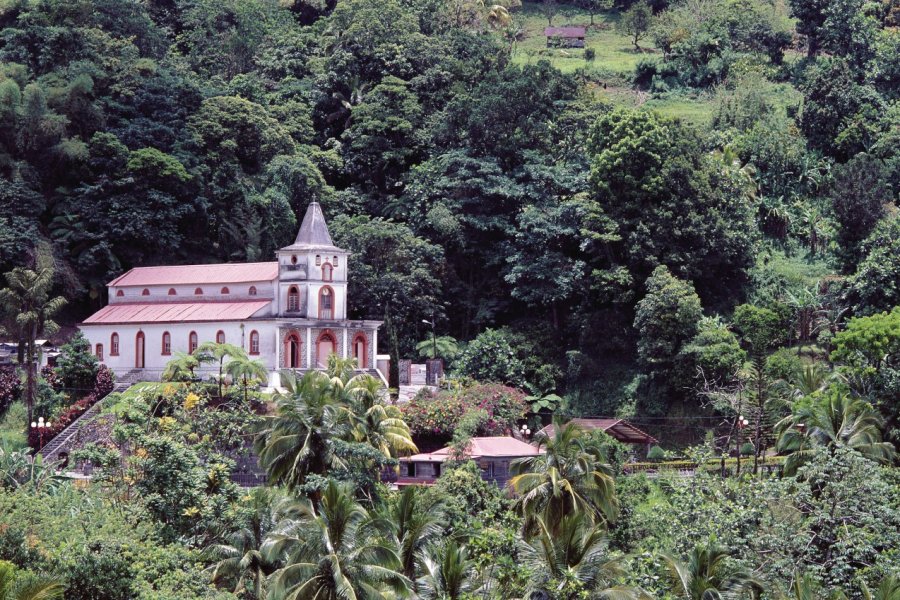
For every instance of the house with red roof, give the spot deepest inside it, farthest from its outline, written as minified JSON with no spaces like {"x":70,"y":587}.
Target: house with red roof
{"x":493,"y":455}
{"x":290,"y":313}
{"x":619,"y":429}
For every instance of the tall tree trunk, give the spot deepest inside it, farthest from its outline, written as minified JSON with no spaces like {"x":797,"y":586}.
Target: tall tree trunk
{"x":812,"y":45}
{"x":394,"y":351}
{"x":30,"y":375}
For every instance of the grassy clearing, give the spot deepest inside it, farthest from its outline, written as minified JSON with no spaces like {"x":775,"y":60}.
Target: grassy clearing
{"x":615,"y":57}
{"x":12,"y":428}
{"x":798,"y":270}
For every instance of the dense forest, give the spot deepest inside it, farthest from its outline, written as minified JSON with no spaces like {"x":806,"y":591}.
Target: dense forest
{"x":691,"y":220}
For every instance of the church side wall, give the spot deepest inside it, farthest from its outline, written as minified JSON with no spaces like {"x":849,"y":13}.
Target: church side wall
{"x":155,"y":361}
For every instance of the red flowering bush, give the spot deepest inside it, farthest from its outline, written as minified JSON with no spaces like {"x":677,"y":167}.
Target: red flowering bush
{"x":104,"y":382}
{"x":10,"y":388}
{"x":49,"y":375}
{"x":37,"y":439}
{"x":437,"y":415}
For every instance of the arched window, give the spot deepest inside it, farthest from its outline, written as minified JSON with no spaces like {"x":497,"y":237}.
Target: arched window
{"x":172,"y":292}
{"x":166,"y":343}
{"x":220,"y":337}
{"x":192,"y":341}
{"x":360,"y":350}
{"x":119,"y":293}
{"x":318,"y":259}
{"x":294,"y":259}
{"x":139,"y":350}
{"x":198,"y":292}
{"x":146,"y":292}
{"x":99,"y":352}
{"x":252,"y":290}
{"x":225,"y":290}
{"x":334,"y":261}
{"x":114,"y":344}
{"x":254,"y":342}
{"x":293,"y":299}
{"x":327,"y":272}
{"x":326,"y":303}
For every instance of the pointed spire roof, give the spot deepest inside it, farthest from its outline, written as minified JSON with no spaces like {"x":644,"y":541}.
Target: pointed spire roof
{"x":313,"y":234}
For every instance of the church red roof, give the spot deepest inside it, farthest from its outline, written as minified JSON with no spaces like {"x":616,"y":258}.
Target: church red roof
{"x":199,"y":274}
{"x":175,"y":312}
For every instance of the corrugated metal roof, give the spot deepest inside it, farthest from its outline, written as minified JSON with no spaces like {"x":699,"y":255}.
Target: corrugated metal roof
{"x":620,"y":429}
{"x":175,"y":312}
{"x":199,"y":274}
{"x":483,"y":447}
{"x":565,"y":32}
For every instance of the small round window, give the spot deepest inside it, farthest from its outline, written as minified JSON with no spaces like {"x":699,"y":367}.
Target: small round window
{"x":294,"y":259}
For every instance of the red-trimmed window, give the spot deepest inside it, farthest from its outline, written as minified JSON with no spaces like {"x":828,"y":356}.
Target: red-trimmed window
{"x":192,"y":341}
{"x":172,"y":292}
{"x":254,"y":342}
{"x":166,"y":344}
{"x":114,"y":344}
{"x":294,"y":259}
{"x":220,"y":337}
{"x":99,"y":352}
{"x":252,"y":290}
{"x":293,"y":299}
{"x":327,"y":272}
{"x":198,"y":292}
{"x":326,"y":303}
{"x":146,"y":292}
{"x":225,"y":290}
{"x":119,"y":293}
{"x":360,"y":350}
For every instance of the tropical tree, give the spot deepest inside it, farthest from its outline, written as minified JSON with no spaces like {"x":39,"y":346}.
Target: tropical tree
{"x":15,"y":586}
{"x":378,"y":424}
{"x":888,"y":589}
{"x":295,"y":443}
{"x":443,"y":346}
{"x":832,"y":419}
{"x":414,"y":521}
{"x":27,"y":302}
{"x":569,"y":476}
{"x":333,"y":550}
{"x":571,"y":559}
{"x":181,"y":368}
{"x":237,"y":553}
{"x":215,"y":352}
{"x":247,"y":370}
{"x":448,"y":572}
{"x":706,"y":575}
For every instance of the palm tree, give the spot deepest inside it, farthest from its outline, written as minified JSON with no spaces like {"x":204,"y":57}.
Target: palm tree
{"x":13,"y":587}
{"x":237,"y":553}
{"x":29,"y":306}
{"x":448,"y":572}
{"x":705,"y":576}
{"x":333,"y":551}
{"x":570,"y":476}
{"x":414,"y":523}
{"x":295,"y":442}
{"x":380,"y":425}
{"x":213,"y":351}
{"x":442,"y":345}
{"x":247,"y":370}
{"x":575,"y":550}
{"x":832,"y":419}
{"x":888,"y":589}
{"x":181,"y":368}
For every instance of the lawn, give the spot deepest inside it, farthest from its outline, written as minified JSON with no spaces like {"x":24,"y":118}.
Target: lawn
{"x":12,"y":428}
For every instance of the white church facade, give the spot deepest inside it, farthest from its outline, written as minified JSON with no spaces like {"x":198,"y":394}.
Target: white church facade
{"x":289,"y":314}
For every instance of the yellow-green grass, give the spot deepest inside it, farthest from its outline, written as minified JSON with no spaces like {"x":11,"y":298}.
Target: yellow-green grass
{"x":12,"y":428}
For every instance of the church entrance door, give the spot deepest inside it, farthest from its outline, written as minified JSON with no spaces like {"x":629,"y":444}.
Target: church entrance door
{"x":292,"y":350}
{"x":139,"y":350}
{"x":324,"y":348}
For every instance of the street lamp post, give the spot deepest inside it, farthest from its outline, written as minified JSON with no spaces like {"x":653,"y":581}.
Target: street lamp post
{"x":41,"y":426}
{"x":525,"y":431}
{"x":742,"y":422}
{"x":433,"y":338}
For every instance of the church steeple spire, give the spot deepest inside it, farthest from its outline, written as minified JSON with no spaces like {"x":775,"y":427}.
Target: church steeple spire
{"x":313,"y":230}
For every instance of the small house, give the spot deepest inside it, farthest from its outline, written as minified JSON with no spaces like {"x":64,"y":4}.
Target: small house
{"x":565,"y":37}
{"x":492,"y":454}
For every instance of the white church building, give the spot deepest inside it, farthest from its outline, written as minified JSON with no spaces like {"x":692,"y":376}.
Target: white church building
{"x":290,"y":313}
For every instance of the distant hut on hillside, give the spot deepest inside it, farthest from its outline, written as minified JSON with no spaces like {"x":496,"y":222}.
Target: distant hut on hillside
{"x":565,"y":37}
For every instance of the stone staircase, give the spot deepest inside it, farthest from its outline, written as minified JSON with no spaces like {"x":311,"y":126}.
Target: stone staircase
{"x":61,"y":443}
{"x":123,"y":382}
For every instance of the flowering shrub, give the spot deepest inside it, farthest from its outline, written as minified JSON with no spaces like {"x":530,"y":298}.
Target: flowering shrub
{"x":104,"y":382}
{"x":438,"y":415}
{"x":49,"y":375}
{"x":10,"y":388}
